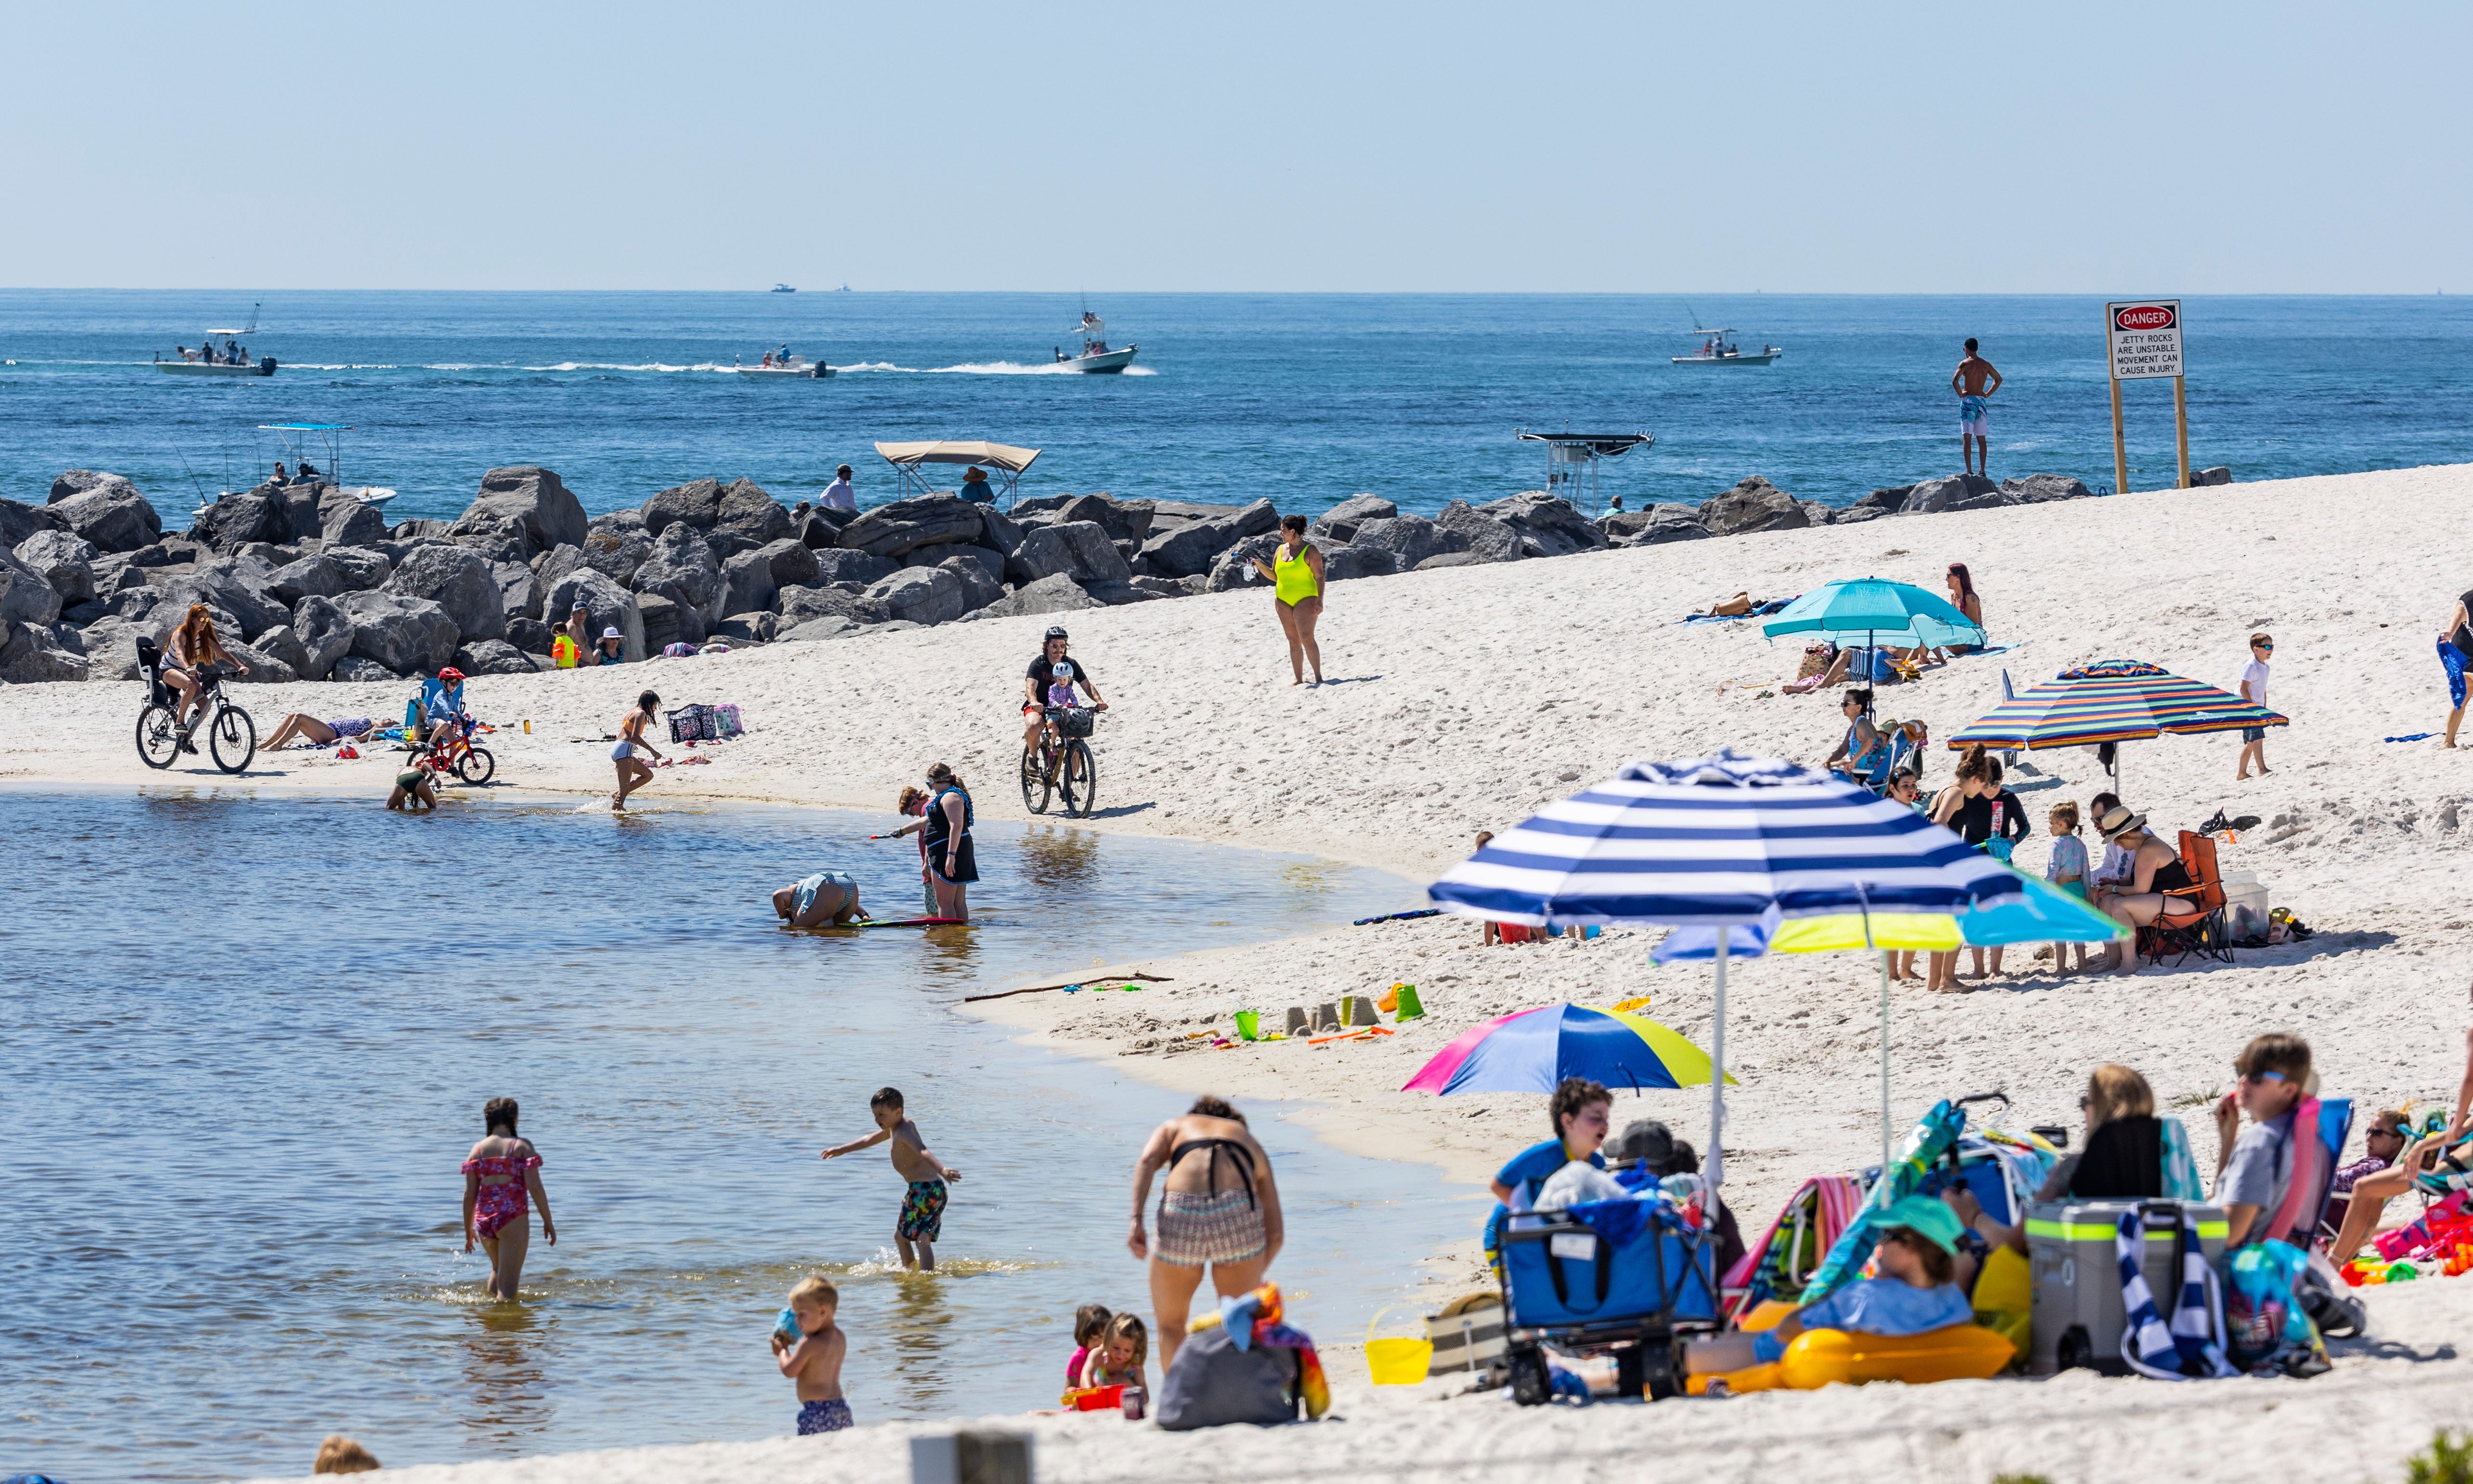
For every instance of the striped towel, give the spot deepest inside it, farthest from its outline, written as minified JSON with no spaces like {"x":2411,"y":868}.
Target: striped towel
{"x":2188,"y":1348}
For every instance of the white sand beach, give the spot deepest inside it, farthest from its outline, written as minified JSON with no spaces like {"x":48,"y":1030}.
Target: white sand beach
{"x":1459,"y":700}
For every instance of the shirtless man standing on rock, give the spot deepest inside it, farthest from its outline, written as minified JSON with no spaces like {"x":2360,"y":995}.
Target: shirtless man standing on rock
{"x":1975,"y":381}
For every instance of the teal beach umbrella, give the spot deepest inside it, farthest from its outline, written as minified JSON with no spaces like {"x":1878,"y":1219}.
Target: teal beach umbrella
{"x":1883,"y":611}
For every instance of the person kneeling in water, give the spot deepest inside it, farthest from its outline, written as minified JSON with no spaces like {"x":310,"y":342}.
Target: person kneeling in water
{"x":826,"y":896}
{"x":412,"y":791}
{"x":1915,"y":1294}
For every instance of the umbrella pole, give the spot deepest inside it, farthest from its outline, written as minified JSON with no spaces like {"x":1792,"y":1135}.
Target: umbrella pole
{"x":1714,"y":1173}
{"x":1884,"y":1063}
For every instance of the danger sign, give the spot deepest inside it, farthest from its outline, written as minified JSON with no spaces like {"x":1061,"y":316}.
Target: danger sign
{"x":2145,"y":337}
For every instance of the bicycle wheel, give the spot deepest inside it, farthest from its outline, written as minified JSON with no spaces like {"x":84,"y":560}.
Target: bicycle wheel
{"x":1077,"y":778}
{"x":158,"y":740}
{"x":233,"y":740}
{"x":476,"y":766}
{"x":1035,"y":782}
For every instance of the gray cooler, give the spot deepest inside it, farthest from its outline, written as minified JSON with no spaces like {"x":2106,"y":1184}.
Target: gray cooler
{"x":2077,"y":1273}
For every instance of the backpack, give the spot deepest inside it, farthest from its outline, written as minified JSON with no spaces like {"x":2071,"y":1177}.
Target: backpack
{"x":1212,"y":1383}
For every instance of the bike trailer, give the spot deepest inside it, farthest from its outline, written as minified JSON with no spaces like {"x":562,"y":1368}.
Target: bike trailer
{"x":2073,"y":1250}
{"x":1075,"y":721}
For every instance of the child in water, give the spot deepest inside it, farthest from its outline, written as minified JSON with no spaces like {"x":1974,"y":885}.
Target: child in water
{"x":1916,"y":1293}
{"x":1090,"y":1329}
{"x":1117,"y":1359}
{"x":923,"y":1205}
{"x":813,"y":1357}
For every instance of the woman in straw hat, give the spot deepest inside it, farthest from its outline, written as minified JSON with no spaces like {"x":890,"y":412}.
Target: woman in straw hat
{"x":2156,"y":870}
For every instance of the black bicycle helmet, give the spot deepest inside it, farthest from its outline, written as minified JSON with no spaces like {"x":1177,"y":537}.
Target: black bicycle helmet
{"x":1058,"y":633}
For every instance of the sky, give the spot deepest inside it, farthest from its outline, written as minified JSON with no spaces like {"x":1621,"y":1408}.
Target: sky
{"x":1267,"y":147}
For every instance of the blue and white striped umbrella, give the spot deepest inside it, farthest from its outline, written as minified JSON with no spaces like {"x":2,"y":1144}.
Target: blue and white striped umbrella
{"x":1723,"y":841}
{"x":1727,"y":839}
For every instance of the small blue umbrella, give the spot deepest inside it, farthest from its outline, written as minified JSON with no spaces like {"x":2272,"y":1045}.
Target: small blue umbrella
{"x":1884,"y":611}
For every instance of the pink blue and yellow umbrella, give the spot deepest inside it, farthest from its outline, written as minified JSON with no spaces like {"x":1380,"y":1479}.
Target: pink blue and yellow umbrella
{"x":1532,"y":1050}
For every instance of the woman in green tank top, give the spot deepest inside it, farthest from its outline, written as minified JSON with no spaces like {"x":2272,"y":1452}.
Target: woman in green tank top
{"x":1297,"y":594}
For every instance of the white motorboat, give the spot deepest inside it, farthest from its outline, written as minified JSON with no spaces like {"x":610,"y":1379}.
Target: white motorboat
{"x":1715,"y":350}
{"x":298,"y":440}
{"x":780,"y":363}
{"x":1096,"y":357}
{"x":232,"y":360}
{"x":784,"y":288}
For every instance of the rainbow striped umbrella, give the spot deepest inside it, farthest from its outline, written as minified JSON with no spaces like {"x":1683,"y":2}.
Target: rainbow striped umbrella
{"x":2110,"y":700}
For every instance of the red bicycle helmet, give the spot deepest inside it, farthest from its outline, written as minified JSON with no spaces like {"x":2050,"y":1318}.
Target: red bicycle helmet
{"x":450,"y":675}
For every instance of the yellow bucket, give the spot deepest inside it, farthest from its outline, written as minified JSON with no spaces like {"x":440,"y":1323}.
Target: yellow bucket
{"x":1396,"y":1361}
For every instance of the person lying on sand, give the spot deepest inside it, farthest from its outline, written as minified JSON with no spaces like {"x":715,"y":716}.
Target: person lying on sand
{"x":826,"y":896}
{"x":301,"y":727}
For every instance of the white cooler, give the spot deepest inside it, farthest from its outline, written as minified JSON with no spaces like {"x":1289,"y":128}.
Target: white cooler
{"x":2244,"y":905}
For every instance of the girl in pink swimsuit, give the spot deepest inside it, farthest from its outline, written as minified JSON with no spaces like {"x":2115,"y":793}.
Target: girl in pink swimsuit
{"x":502,"y":1169}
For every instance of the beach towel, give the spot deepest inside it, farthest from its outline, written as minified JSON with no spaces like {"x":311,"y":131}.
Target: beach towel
{"x":2188,"y":1347}
{"x":2411,"y":736}
{"x":2180,"y":1169}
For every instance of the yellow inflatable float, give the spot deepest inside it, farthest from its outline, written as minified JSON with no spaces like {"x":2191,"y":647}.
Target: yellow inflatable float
{"x":1822,"y":1357}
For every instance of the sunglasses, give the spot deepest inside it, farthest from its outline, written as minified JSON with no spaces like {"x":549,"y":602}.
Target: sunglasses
{"x":2263,"y":1077}
{"x":2268,"y":647}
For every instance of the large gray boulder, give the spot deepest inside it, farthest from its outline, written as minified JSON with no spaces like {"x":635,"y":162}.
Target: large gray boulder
{"x":980,"y":586}
{"x":1123,"y":520}
{"x":1408,"y":538}
{"x":695,"y":504}
{"x":747,"y":585}
{"x":1856,"y":514}
{"x":1192,"y":547}
{"x":1754,"y":505}
{"x":317,"y":575}
{"x":348,"y":521}
{"x":747,"y":510}
{"x":620,"y":554}
{"x":355,"y":670}
{"x":259,"y":667}
{"x":793,"y":561}
{"x":234,"y":587}
{"x":242,"y":516}
{"x":103,"y":508}
{"x":1339,"y":523}
{"x":282,"y":644}
{"x":1546,"y":525}
{"x":607,"y":605}
{"x":110,"y":646}
{"x":1956,"y":492}
{"x":2041,"y":489}
{"x":1479,"y":534}
{"x":1343,"y":563}
{"x":681,"y":558}
{"x":19,"y":521}
{"x":31,"y":654}
{"x":324,"y":631}
{"x":364,"y":567}
{"x":1080,"y":549}
{"x":1056,"y":594}
{"x":686,"y":624}
{"x":519,"y":590}
{"x":1655,"y":525}
{"x":26,"y":596}
{"x":835,"y":565}
{"x":921,"y":595}
{"x":2219,"y":474}
{"x":806,"y":605}
{"x":65,"y":561}
{"x":1891,"y":500}
{"x":493,"y":656}
{"x":406,"y":634}
{"x":521,"y":512}
{"x":748,"y":627}
{"x":992,"y":563}
{"x":620,"y":523}
{"x":922,"y":520}
{"x":460,"y":581}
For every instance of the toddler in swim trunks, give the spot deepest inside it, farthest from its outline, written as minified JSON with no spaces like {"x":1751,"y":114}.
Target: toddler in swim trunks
{"x":921,"y":1222}
{"x":813,"y":1359}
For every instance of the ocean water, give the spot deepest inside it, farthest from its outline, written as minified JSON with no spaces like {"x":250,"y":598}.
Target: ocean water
{"x":250,"y":1045}
{"x":1305,"y":399}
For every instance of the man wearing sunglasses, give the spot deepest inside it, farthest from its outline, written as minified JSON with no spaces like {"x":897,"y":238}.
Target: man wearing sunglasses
{"x":2253,"y":689}
{"x":2254,"y":1170}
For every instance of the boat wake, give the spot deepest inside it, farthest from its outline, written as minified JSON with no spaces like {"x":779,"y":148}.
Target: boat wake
{"x":985,"y":368}
{"x":609,"y":365}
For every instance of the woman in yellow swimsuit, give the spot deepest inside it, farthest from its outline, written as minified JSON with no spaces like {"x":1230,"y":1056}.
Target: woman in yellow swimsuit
{"x":1298,"y":593}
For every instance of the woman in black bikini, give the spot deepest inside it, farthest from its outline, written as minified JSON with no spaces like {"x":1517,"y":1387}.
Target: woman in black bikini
{"x":2156,"y":870}
{"x":1219,"y":1207}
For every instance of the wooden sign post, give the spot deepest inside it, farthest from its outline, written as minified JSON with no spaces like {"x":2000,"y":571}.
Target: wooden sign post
{"x":2142,"y":339}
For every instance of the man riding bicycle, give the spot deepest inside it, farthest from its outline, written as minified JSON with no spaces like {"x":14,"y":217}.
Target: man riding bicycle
{"x":1052,"y":674}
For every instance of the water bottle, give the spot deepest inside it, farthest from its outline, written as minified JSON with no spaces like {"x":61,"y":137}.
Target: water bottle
{"x":788,"y":1327}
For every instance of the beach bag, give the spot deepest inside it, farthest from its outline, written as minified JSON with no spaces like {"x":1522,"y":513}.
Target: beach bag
{"x":721,"y":722}
{"x":1212,"y":1383}
{"x":1735,"y":606}
{"x":1467,"y":1335}
{"x":687,"y":722}
{"x":678,"y":651}
{"x":1075,"y":721}
{"x":1816,"y":661}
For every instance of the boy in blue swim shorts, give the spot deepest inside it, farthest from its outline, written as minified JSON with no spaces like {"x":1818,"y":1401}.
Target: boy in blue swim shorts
{"x":922,"y":1221}
{"x":1975,"y":381}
